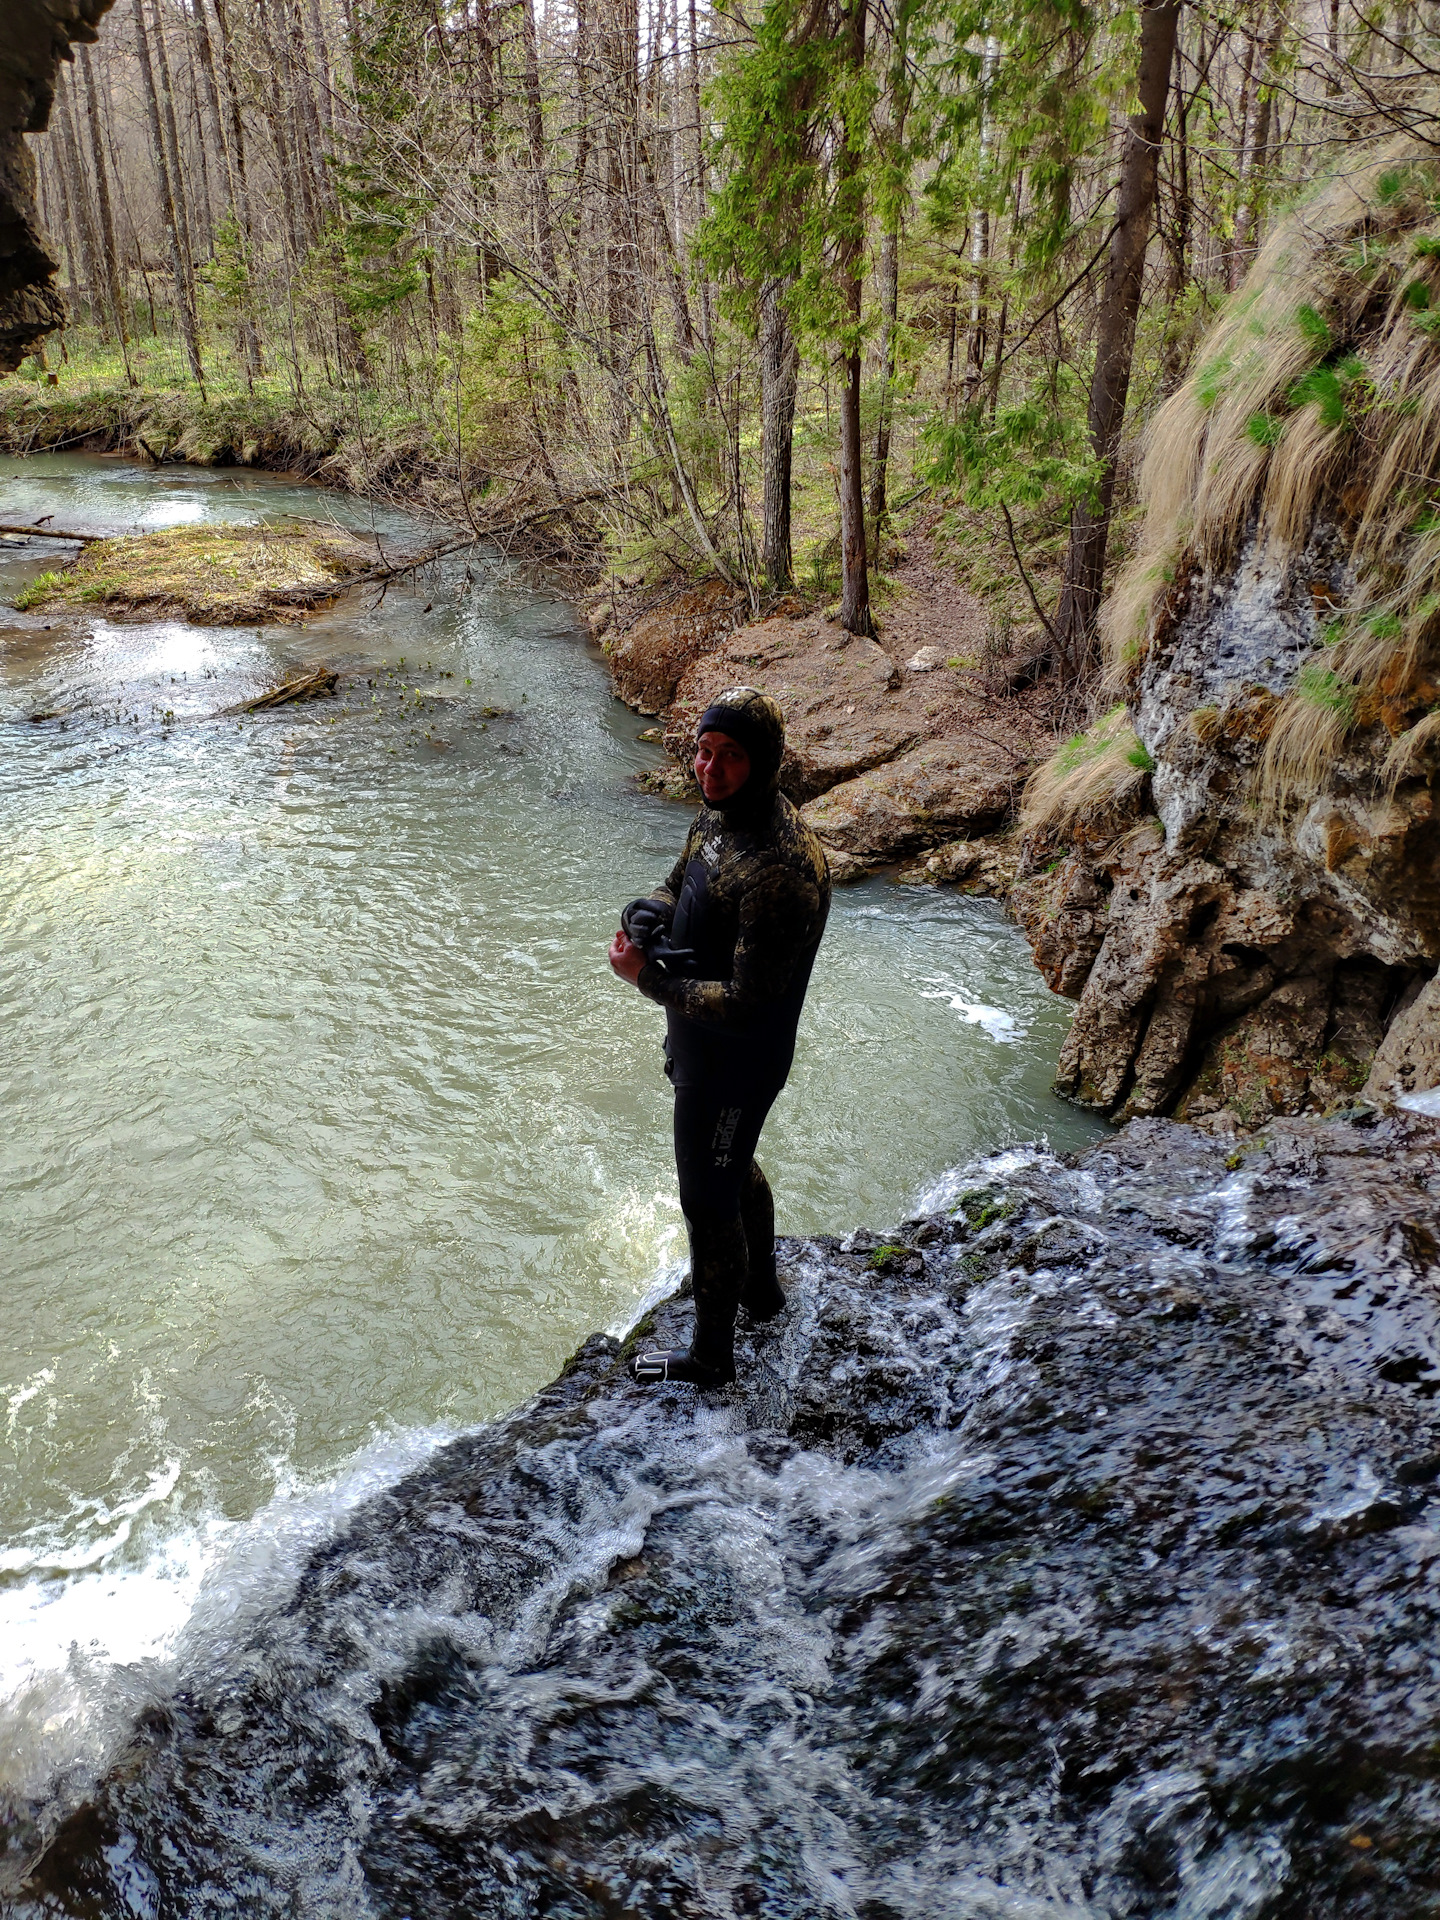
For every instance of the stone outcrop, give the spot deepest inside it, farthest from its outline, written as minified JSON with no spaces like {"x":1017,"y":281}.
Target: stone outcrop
{"x":649,"y":659}
{"x":1233,"y":963}
{"x":1261,"y":935}
{"x":939,"y":791}
{"x":35,"y":36}
{"x":883,"y":753}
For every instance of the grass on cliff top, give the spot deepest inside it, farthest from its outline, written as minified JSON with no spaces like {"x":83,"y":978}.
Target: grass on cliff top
{"x":1315,"y":404}
{"x":1087,"y":780}
{"x":217,"y":575}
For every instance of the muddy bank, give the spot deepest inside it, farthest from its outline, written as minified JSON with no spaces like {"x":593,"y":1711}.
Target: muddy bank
{"x":1070,"y":1548}
{"x":905,"y":750}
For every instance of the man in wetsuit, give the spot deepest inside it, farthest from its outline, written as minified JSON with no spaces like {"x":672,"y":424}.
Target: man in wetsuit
{"x":726,"y":945}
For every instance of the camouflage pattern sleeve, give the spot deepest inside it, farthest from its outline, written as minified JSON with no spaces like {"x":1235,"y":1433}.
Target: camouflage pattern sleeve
{"x":781,"y":914}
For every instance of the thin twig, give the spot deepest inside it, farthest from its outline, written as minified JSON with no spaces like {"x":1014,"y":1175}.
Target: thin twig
{"x":1044,"y":617}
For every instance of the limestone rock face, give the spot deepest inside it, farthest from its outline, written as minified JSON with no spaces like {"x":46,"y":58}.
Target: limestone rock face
{"x":1234,"y":962}
{"x":35,"y":36}
{"x":1407,"y":1061}
{"x":986,"y":866}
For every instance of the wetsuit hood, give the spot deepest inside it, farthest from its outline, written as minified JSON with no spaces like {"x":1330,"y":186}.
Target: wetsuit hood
{"x":754,"y":720}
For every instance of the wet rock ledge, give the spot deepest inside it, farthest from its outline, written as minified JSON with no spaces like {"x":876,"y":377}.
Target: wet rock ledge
{"x":1074,"y":1549}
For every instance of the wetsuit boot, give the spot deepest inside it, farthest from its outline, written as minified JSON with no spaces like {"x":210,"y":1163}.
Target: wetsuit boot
{"x":761,"y":1296}
{"x":717,"y":1261}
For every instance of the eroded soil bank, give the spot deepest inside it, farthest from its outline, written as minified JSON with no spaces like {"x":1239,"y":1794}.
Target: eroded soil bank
{"x":1071,"y":1550}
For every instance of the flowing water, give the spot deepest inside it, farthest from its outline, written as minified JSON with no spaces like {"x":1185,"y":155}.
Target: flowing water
{"x":1070,"y":1555}
{"x":327,"y":1134}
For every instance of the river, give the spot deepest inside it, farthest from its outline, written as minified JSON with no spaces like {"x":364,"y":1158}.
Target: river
{"x":327,"y":1134}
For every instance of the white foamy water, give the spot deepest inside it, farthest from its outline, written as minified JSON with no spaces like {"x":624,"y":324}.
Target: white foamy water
{"x":82,"y":1650}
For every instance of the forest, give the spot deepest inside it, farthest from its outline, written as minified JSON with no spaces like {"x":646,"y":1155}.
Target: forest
{"x":727,"y":291}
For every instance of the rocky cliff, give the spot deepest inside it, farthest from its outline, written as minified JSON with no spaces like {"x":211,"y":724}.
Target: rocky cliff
{"x":35,"y":36}
{"x":1244,"y":891}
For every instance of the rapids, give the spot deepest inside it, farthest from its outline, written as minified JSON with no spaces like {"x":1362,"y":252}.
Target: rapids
{"x":327,"y":1135}
{"x":1072,"y":1554}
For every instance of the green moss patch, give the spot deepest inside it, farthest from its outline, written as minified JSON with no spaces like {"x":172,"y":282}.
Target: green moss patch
{"x":215,"y":575}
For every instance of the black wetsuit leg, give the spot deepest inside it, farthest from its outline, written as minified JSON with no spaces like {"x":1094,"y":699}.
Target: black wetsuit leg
{"x":761,"y":1296}
{"x":724,"y":1197}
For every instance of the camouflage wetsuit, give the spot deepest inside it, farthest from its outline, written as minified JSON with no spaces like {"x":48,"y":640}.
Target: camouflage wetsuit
{"x":748,"y":898}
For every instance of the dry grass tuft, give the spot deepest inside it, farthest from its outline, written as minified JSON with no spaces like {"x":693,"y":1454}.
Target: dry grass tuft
{"x":1317,"y":394}
{"x":1416,"y":752}
{"x":218,"y":575}
{"x":1093,"y":776}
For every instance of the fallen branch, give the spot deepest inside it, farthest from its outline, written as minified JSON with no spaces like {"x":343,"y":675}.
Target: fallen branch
{"x":55,"y":533}
{"x":494,"y":529}
{"x":313,"y":684}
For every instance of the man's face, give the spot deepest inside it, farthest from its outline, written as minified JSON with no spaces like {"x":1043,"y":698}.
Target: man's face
{"x":722,"y":766}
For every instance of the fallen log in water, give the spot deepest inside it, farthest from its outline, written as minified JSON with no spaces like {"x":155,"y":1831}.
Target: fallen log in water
{"x":313,"y":684}
{"x":56,"y":533}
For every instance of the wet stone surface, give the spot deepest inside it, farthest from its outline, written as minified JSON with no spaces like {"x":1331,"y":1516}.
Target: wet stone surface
{"x":1074,"y":1550}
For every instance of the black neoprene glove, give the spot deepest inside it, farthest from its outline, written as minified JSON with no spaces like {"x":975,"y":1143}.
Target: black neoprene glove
{"x":643,"y":919}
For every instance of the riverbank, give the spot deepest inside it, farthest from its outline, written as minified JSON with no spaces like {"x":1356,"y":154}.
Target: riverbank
{"x":909,"y":751}
{"x":348,"y":440}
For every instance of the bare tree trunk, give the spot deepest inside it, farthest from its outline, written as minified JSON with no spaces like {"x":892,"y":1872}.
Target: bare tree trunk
{"x":898,"y":89}
{"x":1332,"y":47}
{"x":204,"y":219}
{"x":320,"y":52}
{"x":975,"y":341}
{"x":1244,"y":112}
{"x":249,"y":327}
{"x":184,"y":227}
{"x":107,"y":217}
{"x":184,"y":312}
{"x":82,"y":213}
{"x":281,"y":140}
{"x":535,"y":126}
{"x":889,"y":310}
{"x":1115,"y":334}
{"x":684,"y":330}
{"x":855,"y":587}
{"x":482,"y":101}
{"x":1252,"y":158}
{"x":779,"y":377}
{"x":1182,"y":218}
{"x":677,"y":128}
{"x":707,"y":324}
